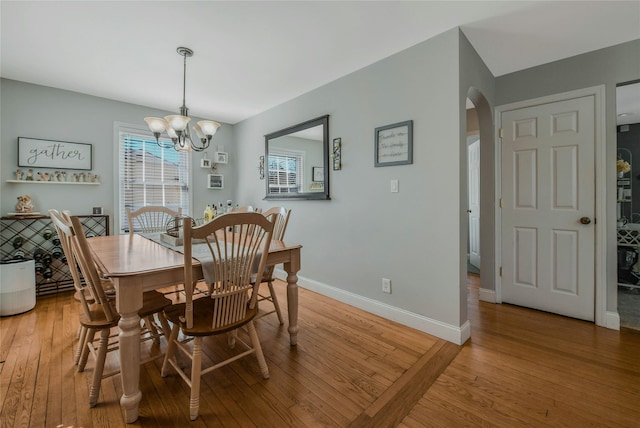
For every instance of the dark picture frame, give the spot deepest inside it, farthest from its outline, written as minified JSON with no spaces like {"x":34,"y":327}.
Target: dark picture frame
{"x":317,"y":173}
{"x":394,"y":144}
{"x":215,"y":181}
{"x":39,"y":153}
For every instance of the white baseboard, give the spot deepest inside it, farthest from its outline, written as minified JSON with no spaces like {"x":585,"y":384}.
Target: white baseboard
{"x":486,"y":295}
{"x":448,"y":332}
{"x":612,"y":320}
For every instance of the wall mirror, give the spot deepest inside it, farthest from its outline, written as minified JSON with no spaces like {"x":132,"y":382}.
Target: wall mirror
{"x":297,"y":161}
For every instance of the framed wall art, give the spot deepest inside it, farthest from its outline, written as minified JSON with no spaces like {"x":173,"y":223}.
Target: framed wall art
{"x":38,"y":153}
{"x":215,"y":181}
{"x":221,"y":157}
{"x":394,"y":144}
{"x":317,"y":173}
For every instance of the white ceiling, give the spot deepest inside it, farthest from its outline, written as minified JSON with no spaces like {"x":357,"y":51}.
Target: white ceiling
{"x":251,"y":56}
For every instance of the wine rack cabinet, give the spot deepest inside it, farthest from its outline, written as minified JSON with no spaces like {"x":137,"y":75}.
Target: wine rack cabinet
{"x":35,"y":237}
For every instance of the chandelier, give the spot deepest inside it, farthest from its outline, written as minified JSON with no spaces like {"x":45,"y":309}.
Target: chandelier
{"x":177,"y":125}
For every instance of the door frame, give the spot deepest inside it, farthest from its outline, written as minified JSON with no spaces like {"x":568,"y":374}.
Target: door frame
{"x":600,"y":223}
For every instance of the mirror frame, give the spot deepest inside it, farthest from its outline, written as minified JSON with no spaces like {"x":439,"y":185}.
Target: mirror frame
{"x":322,"y":120}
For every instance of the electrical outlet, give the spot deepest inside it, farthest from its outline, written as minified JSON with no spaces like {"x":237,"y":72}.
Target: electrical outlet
{"x":386,"y":285}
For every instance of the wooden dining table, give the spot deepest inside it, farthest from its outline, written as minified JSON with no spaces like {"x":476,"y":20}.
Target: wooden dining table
{"x":136,"y":264}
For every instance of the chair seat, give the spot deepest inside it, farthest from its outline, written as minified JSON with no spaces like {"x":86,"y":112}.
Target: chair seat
{"x":98,"y":320}
{"x":202,"y":316}
{"x":152,"y":303}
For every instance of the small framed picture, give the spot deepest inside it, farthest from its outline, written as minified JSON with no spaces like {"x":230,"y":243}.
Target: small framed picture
{"x":215,"y":181}
{"x":394,"y":144}
{"x":318,"y":173}
{"x":205,"y":163}
{"x":222,"y":157}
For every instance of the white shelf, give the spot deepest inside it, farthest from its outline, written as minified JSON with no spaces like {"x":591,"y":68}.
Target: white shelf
{"x":49,"y":182}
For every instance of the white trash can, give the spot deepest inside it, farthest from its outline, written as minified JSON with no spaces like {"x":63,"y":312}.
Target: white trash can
{"x":17,"y":286}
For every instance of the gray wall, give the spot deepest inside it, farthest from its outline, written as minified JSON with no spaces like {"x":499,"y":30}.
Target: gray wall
{"x":607,"y":67}
{"x":365,"y":233}
{"x":47,"y":113}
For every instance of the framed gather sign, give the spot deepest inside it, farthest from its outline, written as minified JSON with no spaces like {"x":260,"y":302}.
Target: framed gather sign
{"x":394,"y":144}
{"x":37,"y":153}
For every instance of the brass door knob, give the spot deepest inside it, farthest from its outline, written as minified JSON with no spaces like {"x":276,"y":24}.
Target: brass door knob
{"x":585,"y":220}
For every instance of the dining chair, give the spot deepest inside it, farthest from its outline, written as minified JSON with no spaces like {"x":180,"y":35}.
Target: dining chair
{"x":230,"y":262}
{"x":82,"y":293}
{"x":98,"y":311}
{"x":247,"y":209}
{"x":150,"y":325}
{"x":151,"y":219}
{"x":281,"y":220}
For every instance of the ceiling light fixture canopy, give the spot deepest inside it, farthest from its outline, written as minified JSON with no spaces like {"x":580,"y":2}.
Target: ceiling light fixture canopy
{"x":177,"y":125}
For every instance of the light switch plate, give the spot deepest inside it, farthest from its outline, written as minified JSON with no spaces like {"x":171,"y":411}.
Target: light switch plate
{"x":394,"y":186}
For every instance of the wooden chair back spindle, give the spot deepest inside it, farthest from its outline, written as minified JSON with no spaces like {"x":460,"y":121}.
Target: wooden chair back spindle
{"x":150,"y":219}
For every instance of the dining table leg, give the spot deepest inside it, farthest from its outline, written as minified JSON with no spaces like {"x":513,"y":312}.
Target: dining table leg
{"x":292,"y":267}
{"x":128,"y":303}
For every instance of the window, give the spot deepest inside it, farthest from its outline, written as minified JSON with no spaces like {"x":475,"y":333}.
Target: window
{"x":285,"y":172}
{"x":150,"y":175}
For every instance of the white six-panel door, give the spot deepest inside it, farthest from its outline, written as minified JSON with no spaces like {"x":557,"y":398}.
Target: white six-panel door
{"x":548,"y":194}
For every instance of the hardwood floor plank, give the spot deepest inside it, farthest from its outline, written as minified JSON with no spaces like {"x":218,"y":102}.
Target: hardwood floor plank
{"x":38,"y":416}
{"x":396,"y":402}
{"x":538,"y":380}
{"x":305,"y":380}
{"x":56,"y":370}
{"x":25,"y":348}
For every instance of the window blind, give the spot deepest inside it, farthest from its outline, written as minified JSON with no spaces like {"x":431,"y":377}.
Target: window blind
{"x":285,"y":172}
{"x":151,"y":175}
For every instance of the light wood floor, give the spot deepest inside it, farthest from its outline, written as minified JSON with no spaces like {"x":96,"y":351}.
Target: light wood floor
{"x":350,"y":369}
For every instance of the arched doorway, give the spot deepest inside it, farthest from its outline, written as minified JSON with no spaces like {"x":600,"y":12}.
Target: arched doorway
{"x":479,"y":122}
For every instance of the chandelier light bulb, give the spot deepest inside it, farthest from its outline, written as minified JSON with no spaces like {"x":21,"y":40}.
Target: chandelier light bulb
{"x":156,"y":125}
{"x":172,"y":134}
{"x":177,"y":122}
{"x":209,"y":127}
{"x":199,"y":133}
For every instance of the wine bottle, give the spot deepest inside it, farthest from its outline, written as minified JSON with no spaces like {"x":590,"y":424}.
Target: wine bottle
{"x":38,"y":268}
{"x":47,"y":234}
{"x":46,"y":260}
{"x":38,"y":254}
{"x":47,"y":273}
{"x":56,"y":253}
{"x":17,"y":242}
{"x":208,"y":214}
{"x":18,"y":255}
{"x":56,"y":241}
